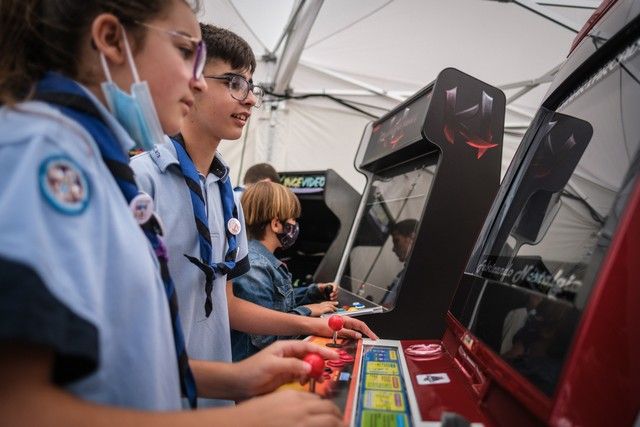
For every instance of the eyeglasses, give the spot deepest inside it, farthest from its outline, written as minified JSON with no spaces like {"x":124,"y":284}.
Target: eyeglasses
{"x":239,"y":87}
{"x":198,"y":48}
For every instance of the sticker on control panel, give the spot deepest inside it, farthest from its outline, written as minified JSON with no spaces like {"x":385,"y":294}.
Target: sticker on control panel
{"x":382,"y":382}
{"x":383,"y":419}
{"x":429,"y":379}
{"x":387,"y":368}
{"x":383,"y":400}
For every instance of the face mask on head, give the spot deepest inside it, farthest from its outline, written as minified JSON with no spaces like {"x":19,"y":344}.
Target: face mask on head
{"x":289,"y":235}
{"x":136,"y":112}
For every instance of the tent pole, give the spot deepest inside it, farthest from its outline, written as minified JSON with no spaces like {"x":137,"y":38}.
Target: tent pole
{"x":296,"y":40}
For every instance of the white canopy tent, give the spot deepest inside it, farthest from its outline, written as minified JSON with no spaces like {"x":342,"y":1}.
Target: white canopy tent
{"x":374,"y":54}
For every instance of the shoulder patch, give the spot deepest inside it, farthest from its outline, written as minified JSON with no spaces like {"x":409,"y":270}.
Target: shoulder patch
{"x":64,"y":184}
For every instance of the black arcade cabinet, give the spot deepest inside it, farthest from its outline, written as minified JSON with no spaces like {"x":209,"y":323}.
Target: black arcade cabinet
{"x":329,"y":206}
{"x":433,"y":168}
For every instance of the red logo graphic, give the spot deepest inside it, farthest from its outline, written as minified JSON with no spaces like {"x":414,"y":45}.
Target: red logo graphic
{"x":472,"y":125}
{"x":552,"y":152}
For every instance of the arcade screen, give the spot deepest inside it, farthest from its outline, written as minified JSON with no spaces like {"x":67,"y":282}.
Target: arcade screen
{"x":398,"y":130}
{"x":523,"y":295}
{"x":384,"y":238}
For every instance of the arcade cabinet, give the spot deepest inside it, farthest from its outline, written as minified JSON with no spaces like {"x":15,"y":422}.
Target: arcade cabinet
{"x":329,"y":205}
{"x":433,"y":170}
{"x":543,"y":327}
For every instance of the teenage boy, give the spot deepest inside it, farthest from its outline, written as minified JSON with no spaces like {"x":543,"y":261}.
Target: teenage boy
{"x":203,"y":223}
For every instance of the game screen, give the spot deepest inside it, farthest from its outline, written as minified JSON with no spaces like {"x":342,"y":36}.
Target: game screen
{"x":525,"y":292}
{"x":385,"y":234}
{"x":398,"y":130}
{"x":382,"y":392}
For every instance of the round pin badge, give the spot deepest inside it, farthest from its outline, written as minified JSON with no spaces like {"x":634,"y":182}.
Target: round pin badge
{"x":142,"y":207}
{"x":234,"y":227}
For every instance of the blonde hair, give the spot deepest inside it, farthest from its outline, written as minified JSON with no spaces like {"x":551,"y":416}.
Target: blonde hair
{"x":264,"y":201}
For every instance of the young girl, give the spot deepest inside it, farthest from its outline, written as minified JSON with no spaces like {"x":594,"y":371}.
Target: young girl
{"x":87,"y":314}
{"x":270,"y":214}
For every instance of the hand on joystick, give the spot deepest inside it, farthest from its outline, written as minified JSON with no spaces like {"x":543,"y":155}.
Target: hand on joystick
{"x":317,"y":367}
{"x":327,"y":292}
{"x":336,"y":322}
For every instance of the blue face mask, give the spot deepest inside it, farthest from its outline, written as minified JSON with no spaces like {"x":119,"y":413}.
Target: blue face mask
{"x":136,"y":111}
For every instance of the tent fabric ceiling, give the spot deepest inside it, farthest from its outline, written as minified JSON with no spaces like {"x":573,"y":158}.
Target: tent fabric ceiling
{"x":398,"y":46}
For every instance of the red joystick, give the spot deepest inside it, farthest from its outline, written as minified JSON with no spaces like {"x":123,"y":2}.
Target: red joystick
{"x":317,"y":369}
{"x":317,"y":364}
{"x":336,"y":322}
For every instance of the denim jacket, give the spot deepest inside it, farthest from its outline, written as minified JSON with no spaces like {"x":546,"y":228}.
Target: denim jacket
{"x":268,"y":283}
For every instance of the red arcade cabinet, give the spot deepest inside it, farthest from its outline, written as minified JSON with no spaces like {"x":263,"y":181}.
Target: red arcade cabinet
{"x":544,"y":327}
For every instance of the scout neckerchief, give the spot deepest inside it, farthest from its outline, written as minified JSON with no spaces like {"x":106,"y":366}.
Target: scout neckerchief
{"x":230,"y":215}
{"x":71,"y":100}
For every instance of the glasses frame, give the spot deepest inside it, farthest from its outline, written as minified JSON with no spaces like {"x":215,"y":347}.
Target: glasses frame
{"x":249,"y":85}
{"x":200,"y":58}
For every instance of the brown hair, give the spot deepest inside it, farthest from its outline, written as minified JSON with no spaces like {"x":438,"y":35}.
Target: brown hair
{"x":229,"y":47}
{"x":259,"y":172}
{"x":39,"y":36}
{"x":264,"y":201}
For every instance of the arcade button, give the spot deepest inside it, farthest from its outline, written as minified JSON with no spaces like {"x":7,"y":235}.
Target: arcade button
{"x":336,"y":363}
{"x":423,"y":350}
{"x":346,"y":358}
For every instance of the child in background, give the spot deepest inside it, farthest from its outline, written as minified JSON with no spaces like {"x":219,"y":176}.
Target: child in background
{"x":270,"y":214}
{"x":256,"y":173}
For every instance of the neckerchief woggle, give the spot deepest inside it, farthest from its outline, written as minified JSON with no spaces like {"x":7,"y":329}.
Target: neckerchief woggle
{"x":230,"y":213}
{"x":67,"y":96}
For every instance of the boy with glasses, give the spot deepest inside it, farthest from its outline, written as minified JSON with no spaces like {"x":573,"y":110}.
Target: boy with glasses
{"x":204,"y":223}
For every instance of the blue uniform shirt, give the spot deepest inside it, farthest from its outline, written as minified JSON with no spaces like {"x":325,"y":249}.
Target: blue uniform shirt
{"x":158,"y":174}
{"x":79,"y":276}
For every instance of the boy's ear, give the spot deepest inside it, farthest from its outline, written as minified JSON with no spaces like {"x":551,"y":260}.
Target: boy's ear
{"x":276,"y":226}
{"x":107,"y":37}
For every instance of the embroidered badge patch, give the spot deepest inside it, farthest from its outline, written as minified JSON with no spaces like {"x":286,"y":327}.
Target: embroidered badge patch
{"x":64,"y":185}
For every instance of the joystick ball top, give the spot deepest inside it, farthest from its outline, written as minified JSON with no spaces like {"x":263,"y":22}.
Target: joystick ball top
{"x":317,"y":364}
{"x":336,"y":322}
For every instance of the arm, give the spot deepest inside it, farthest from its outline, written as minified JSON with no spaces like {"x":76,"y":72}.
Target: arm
{"x":261,"y":373}
{"x":251,"y":318}
{"x":307,"y":294}
{"x":258,"y":287}
{"x":25,"y":384}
